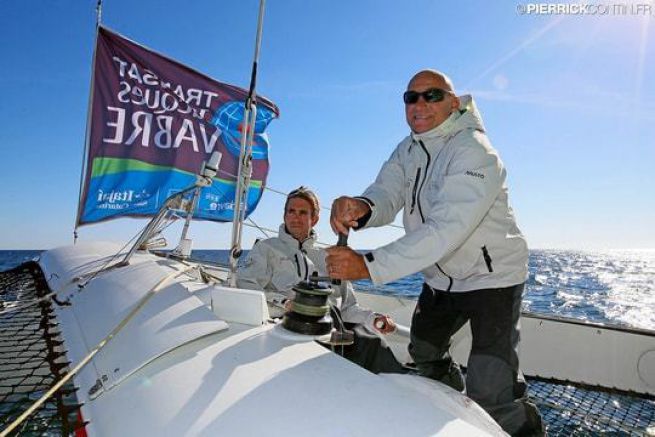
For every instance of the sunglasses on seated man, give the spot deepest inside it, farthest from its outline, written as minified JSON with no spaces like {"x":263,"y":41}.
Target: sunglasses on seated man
{"x":431,"y":95}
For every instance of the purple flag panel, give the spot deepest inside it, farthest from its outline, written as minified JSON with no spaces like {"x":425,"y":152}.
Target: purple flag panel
{"x":153,"y":122}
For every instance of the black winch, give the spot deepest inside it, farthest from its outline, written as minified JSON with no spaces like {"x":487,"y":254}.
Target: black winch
{"x":310,"y":312}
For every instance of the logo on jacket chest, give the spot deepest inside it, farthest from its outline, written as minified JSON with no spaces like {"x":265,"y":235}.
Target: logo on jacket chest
{"x":474,"y":174}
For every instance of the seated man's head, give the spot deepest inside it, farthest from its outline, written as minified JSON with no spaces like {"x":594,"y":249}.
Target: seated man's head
{"x":301,"y":212}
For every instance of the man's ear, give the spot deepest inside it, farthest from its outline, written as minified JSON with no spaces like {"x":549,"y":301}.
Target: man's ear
{"x":455,"y":104}
{"x":314,"y":220}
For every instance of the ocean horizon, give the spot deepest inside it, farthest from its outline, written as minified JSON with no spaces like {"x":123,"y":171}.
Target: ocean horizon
{"x":615,"y":286}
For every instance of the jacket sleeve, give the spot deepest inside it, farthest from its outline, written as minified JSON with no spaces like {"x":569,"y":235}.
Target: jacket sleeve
{"x":276,"y":303}
{"x":386,"y":194}
{"x":351,"y":311}
{"x":256,"y":273}
{"x":473,"y":180}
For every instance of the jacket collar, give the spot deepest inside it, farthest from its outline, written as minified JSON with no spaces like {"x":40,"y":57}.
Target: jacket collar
{"x":288,"y":239}
{"x":467,"y":117}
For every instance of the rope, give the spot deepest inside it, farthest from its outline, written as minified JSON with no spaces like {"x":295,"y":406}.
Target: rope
{"x":262,"y":229}
{"x":94,"y":351}
{"x":258,"y":227}
{"x":105,"y":266}
{"x":163,"y":226}
{"x":27,"y":304}
{"x":92,"y":276}
{"x":273,"y":190}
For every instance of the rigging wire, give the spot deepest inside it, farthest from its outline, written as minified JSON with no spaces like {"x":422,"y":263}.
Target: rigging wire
{"x":139,"y":305}
{"x":105,"y":266}
{"x":273,"y":190}
{"x":261,"y":229}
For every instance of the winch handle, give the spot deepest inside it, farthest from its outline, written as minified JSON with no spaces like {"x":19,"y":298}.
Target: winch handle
{"x":343,"y":241}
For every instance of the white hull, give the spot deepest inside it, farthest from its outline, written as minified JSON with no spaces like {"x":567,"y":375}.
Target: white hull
{"x":200,"y":359}
{"x":557,"y":348}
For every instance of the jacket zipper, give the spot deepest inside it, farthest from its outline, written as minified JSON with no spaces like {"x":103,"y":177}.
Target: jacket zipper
{"x":450,"y":280}
{"x":418,"y":176}
{"x":304,"y":259}
{"x":295,"y":255}
{"x":425,"y":176}
{"x":487,"y":258}
{"x":417,"y":199}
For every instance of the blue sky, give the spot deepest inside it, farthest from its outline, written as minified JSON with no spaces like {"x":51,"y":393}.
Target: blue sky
{"x":568,"y":101}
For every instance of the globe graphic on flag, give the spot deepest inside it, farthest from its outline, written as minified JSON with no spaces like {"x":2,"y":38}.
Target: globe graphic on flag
{"x":229,"y":119}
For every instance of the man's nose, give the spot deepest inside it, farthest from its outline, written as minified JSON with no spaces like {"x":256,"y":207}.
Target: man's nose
{"x":421,"y":101}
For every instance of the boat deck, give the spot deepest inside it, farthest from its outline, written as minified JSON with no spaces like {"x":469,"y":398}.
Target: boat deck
{"x":32,"y":358}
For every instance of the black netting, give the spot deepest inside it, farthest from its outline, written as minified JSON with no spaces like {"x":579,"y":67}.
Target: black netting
{"x":32,"y":358}
{"x":575,"y":411}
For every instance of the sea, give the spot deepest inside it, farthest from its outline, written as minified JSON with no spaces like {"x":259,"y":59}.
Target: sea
{"x":611,"y":287}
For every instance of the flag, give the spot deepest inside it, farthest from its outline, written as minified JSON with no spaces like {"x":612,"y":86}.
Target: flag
{"x":153,"y":122}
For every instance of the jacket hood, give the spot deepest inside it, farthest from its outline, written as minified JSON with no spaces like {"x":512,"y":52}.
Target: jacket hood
{"x":308,"y":243}
{"x":468,"y":117}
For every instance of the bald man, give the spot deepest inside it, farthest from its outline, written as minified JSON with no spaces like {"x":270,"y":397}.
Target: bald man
{"x":460,"y":232}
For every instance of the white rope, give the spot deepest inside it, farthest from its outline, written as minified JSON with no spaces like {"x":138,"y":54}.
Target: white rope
{"x":282,"y":193}
{"x":27,"y":304}
{"x":262,"y":230}
{"x":106,"y":266}
{"x":391,"y":225}
{"x":95,"y":350}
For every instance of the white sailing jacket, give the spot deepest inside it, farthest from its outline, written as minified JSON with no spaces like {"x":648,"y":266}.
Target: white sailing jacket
{"x":459,"y":228}
{"x":276,"y":264}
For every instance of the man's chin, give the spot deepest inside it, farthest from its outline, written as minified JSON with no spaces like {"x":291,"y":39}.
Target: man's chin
{"x":295,"y":234}
{"x":420,"y":128}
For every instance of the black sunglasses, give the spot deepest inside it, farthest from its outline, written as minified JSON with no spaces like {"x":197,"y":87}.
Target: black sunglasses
{"x":432,"y":95}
